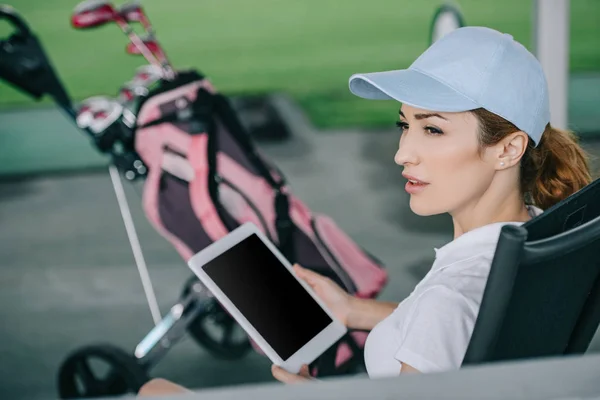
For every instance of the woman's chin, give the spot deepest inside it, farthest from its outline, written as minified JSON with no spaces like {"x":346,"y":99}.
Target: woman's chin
{"x":421,"y":207}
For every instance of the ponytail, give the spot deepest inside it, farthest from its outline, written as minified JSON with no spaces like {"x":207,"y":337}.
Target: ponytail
{"x":550,"y":172}
{"x":555,"y":169}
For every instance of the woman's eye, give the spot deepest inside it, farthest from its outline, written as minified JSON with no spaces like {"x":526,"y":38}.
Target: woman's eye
{"x":402,"y":126}
{"x":433,"y":131}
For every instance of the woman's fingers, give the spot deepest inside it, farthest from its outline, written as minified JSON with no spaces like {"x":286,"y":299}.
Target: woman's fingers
{"x":158,"y":386}
{"x":312,"y":278}
{"x":305,"y":372}
{"x":287,"y":377}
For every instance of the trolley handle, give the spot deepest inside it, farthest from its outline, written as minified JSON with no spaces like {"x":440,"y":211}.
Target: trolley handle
{"x":8,"y":13}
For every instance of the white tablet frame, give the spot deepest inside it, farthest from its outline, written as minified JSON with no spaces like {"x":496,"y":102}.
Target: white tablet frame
{"x":307,"y":353}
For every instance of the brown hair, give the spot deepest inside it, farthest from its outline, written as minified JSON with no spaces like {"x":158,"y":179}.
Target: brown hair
{"x":550,"y":172}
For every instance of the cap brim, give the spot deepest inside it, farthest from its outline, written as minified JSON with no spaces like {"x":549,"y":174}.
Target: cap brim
{"x":412,"y":88}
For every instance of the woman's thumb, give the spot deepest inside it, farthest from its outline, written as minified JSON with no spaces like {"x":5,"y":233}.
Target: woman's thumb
{"x":299,"y":271}
{"x":307,"y":275}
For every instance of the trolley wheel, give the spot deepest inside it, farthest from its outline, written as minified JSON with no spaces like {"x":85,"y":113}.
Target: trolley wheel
{"x":100,"y":371}
{"x":214,"y":329}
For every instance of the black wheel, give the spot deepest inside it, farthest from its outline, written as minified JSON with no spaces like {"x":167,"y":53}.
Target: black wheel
{"x":100,"y":371}
{"x":214,"y":329}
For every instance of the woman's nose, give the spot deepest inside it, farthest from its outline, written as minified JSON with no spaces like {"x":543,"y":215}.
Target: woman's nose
{"x":406,"y":153}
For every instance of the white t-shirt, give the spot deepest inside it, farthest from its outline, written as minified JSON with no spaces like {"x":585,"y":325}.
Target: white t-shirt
{"x":430,"y":330}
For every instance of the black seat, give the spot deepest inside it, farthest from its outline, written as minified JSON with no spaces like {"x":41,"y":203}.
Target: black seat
{"x":542,"y":297}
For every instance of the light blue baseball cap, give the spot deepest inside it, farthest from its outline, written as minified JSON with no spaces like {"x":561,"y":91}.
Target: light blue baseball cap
{"x":469,"y":68}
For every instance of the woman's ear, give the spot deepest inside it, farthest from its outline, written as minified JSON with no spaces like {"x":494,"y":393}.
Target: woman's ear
{"x":510,"y":150}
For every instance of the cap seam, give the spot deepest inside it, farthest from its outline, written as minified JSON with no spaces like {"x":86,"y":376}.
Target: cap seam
{"x":500,"y":50}
{"x":501,"y":47}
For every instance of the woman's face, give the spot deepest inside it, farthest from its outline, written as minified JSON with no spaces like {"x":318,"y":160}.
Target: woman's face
{"x":440,"y":151}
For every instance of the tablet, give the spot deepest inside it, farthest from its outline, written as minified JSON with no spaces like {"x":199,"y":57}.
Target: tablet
{"x":256,"y":284}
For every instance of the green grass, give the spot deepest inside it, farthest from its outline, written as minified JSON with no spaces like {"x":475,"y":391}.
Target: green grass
{"x":306,"y":48}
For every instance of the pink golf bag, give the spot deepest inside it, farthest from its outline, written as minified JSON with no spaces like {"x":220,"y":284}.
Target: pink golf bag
{"x":206,"y":178}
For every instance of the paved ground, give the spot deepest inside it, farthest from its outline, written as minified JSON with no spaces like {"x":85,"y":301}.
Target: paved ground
{"x":68,"y":277}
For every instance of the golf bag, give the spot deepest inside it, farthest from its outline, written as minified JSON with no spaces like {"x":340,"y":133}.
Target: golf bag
{"x":206,"y":178}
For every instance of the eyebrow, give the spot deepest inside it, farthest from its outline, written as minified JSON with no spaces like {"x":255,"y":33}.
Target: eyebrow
{"x":423,"y":116}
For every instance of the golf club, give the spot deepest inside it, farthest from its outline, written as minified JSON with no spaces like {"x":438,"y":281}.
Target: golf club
{"x":94,"y":13}
{"x":98,"y":113}
{"x":147,"y":73}
{"x":111,"y":125}
{"x":132,"y":90}
{"x":133,"y":11}
{"x":145,"y":77}
{"x":150,"y":43}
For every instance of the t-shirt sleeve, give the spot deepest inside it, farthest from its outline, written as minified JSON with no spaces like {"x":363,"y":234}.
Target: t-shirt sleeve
{"x":437,"y":331}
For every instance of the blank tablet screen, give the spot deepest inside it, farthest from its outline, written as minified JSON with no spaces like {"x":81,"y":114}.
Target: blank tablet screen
{"x":268,"y":295}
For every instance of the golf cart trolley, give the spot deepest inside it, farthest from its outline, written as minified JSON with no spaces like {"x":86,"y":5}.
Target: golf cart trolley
{"x":203,"y":177}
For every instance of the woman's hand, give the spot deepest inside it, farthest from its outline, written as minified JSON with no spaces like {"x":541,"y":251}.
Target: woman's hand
{"x":339,"y":302}
{"x":287,"y":377}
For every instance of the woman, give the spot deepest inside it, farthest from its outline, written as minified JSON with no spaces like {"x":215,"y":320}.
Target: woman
{"x":476,"y":142}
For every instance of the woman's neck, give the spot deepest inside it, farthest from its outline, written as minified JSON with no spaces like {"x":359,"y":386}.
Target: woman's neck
{"x":488,"y":210}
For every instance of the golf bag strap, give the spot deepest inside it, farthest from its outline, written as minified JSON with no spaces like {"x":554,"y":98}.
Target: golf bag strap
{"x":230,"y":119}
{"x":285,"y":226}
{"x":283,"y":223}
{"x":206,"y":106}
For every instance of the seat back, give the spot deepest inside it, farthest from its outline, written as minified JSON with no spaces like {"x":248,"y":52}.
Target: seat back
{"x":542,"y":297}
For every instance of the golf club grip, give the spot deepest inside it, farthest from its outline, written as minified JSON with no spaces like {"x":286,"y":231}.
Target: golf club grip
{"x":8,"y":13}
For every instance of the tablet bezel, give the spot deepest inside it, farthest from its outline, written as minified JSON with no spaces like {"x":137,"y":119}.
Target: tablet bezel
{"x":307,"y":353}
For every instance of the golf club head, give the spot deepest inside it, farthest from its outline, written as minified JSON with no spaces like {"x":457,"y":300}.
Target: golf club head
{"x":126,"y":94}
{"x":131,"y":90}
{"x":144,"y":79}
{"x":24,"y":64}
{"x":97,"y":113}
{"x":150,"y":43}
{"x":92,"y":13}
{"x":109,"y":122}
{"x":150,"y":73}
{"x":132,"y":11}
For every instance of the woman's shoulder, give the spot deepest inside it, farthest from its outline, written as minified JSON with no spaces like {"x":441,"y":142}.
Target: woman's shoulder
{"x":466,"y":261}
{"x":464,"y":279}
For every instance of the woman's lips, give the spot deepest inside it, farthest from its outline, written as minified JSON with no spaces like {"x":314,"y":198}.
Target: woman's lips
{"x":414,"y":185}
{"x":414,"y":188}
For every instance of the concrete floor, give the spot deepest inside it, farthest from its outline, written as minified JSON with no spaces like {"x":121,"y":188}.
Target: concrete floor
{"x":68,"y":277}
